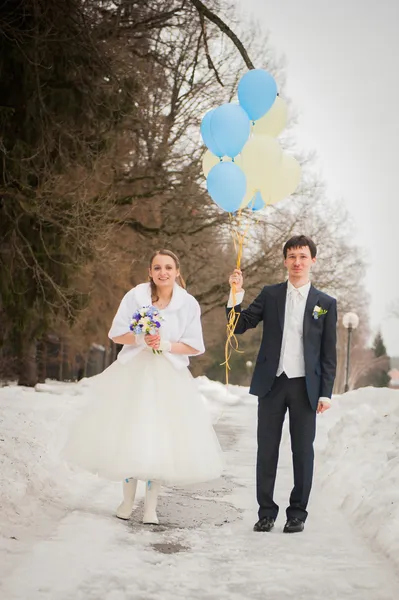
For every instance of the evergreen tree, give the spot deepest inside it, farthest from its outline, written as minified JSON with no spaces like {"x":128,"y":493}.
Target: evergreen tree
{"x":379,"y":376}
{"x":379,"y":348}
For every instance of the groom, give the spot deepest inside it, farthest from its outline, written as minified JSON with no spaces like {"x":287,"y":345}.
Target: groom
{"x":295,"y":370}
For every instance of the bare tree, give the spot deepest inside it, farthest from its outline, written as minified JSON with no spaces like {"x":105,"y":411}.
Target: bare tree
{"x":161,"y":199}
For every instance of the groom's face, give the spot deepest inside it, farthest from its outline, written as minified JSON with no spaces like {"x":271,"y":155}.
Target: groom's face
{"x":299,"y":262}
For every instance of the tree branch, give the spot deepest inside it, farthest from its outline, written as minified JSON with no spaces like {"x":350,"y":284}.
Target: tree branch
{"x":203,"y":11}
{"x":211,"y":64}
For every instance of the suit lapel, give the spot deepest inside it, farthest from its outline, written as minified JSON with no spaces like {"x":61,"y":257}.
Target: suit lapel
{"x":281,"y":300}
{"x":311,"y":302}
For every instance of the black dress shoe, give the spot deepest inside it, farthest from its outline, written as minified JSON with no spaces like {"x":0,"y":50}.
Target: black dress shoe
{"x":294,"y":526}
{"x":265,"y":524}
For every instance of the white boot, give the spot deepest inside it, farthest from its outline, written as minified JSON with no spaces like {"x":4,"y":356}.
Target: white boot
{"x":124,"y":510}
{"x":152,"y":489}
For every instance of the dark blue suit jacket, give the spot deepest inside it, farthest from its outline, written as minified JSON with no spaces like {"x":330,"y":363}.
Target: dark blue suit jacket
{"x":319,"y":340}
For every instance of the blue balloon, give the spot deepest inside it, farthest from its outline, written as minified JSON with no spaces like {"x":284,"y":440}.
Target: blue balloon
{"x":227,"y":185}
{"x":257,"y":202}
{"x":257,"y":92}
{"x":207,"y":136}
{"x":230,"y":128}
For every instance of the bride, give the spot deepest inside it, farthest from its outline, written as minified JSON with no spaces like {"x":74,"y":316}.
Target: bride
{"x":146,"y":419}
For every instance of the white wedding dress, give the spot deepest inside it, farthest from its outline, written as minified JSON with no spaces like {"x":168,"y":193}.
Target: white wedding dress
{"x":145,"y":419}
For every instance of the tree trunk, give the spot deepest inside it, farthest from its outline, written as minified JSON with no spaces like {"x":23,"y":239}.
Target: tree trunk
{"x":27,"y":364}
{"x":41,"y":360}
{"x":61,"y":361}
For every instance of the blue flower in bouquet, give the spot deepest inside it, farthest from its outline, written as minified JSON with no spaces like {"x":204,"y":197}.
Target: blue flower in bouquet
{"x":136,"y":316}
{"x":146,"y":321}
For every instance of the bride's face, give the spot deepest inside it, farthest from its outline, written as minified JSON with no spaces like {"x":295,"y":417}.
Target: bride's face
{"x":163,"y":271}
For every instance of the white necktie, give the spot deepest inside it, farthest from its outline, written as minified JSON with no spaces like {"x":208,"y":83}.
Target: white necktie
{"x":295,"y":298}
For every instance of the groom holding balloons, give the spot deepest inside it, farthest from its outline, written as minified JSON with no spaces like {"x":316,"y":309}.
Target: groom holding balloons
{"x":247,"y":169}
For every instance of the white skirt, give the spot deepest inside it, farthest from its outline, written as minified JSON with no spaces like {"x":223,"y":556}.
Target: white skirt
{"x":146,"y":420}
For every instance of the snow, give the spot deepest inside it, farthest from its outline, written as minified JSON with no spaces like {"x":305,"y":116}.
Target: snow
{"x":59,"y":539}
{"x":361,"y":463}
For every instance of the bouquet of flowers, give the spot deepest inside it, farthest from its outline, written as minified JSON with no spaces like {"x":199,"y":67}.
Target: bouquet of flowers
{"x":146,"y":321}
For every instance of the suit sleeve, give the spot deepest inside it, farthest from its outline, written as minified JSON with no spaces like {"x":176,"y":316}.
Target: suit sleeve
{"x":251,"y":316}
{"x":328,"y":355}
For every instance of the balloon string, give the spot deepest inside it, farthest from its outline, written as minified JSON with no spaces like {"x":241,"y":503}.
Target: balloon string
{"x":231,"y":341}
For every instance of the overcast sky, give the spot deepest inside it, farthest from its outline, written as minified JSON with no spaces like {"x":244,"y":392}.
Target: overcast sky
{"x":343,"y":77}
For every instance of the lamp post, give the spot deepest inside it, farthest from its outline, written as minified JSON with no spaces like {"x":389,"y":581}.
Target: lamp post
{"x":350,"y":321}
{"x":248,"y":364}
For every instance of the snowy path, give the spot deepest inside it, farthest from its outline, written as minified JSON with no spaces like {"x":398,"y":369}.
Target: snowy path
{"x":205,"y":548}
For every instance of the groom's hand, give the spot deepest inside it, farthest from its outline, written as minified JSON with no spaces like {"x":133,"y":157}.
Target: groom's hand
{"x":237,"y":279}
{"x":322,"y":407}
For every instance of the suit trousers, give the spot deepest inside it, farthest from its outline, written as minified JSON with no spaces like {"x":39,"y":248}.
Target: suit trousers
{"x":285,"y":394}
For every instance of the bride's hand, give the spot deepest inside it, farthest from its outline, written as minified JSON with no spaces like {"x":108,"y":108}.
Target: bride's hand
{"x":237,"y":279}
{"x":153,"y":341}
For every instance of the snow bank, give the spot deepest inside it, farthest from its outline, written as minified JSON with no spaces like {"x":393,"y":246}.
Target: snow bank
{"x":358,"y":462}
{"x":28,"y":467}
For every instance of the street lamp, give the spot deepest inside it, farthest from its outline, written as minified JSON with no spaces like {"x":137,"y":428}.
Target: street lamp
{"x":350,"y":321}
{"x":248,"y":364}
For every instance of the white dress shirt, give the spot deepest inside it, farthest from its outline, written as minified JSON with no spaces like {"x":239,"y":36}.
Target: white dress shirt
{"x":292,"y":360}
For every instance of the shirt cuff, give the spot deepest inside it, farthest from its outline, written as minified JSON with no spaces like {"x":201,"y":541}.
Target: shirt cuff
{"x":239,"y":299}
{"x":325,"y":399}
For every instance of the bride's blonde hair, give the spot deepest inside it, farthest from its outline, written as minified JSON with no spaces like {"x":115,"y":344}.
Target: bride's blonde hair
{"x":179,"y":279}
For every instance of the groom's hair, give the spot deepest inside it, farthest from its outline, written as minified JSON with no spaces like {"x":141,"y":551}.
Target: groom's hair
{"x":300,"y":241}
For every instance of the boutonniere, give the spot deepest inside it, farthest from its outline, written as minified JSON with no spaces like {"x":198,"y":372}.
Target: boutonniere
{"x":318,"y":312}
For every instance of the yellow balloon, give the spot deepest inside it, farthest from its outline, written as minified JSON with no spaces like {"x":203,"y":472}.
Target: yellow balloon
{"x":285,"y":182}
{"x":238,"y":160}
{"x":260,"y":160}
{"x":247,"y":199}
{"x":209,"y":160}
{"x":274,"y":121}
